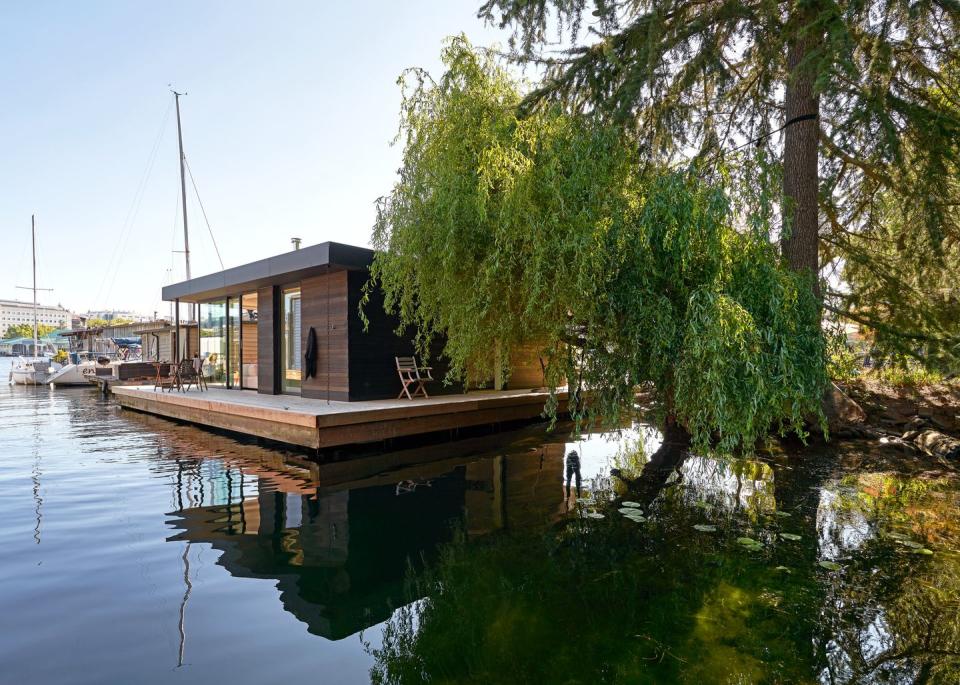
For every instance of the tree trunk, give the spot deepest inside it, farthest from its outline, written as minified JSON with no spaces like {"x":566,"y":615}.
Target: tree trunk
{"x":801,"y":240}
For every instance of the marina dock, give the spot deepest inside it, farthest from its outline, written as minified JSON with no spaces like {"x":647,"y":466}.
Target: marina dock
{"x":320,"y":424}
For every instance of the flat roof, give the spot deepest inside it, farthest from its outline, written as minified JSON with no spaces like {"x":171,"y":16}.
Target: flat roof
{"x":283,"y":268}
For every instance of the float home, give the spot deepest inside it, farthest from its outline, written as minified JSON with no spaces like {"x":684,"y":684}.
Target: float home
{"x":254,"y":324}
{"x":287,"y":357}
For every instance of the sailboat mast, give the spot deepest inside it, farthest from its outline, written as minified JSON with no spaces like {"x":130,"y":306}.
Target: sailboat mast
{"x":33,"y":240}
{"x":183,"y":188}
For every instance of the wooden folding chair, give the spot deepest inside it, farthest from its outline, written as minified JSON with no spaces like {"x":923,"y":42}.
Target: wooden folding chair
{"x":190,"y":376}
{"x":168,"y":380}
{"x":410,"y":374}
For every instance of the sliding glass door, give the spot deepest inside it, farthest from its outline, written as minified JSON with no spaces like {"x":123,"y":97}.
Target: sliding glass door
{"x":248,"y":341}
{"x":213,"y":341}
{"x":290,"y":363}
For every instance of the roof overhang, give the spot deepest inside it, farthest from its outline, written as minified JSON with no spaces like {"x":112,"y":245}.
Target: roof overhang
{"x":284,"y":268}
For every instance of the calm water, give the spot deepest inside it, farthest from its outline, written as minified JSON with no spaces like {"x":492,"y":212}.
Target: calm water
{"x":136,"y":550}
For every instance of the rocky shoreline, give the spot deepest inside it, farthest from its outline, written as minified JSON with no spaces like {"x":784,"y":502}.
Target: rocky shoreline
{"x":924,"y":419}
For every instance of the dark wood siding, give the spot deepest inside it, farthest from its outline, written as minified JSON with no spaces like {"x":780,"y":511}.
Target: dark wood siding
{"x":373,"y":371}
{"x":267,"y":341}
{"x":323,"y":307}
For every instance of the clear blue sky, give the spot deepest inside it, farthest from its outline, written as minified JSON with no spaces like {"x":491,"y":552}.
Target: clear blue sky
{"x":287,"y":127}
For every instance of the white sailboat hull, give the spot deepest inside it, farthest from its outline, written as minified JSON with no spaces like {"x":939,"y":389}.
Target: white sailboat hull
{"x":74,"y":374}
{"x":35,"y":371}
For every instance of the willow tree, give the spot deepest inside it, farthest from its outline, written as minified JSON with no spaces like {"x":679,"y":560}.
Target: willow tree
{"x":543,"y":229}
{"x":848,"y":87}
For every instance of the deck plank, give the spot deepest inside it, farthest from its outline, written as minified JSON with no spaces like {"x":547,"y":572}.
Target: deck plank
{"x":320,"y":423}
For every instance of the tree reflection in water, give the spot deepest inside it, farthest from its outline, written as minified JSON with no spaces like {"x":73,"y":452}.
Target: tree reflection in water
{"x":893,"y":613}
{"x":611,"y":600}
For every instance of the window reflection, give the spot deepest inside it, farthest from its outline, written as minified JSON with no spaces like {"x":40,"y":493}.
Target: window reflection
{"x":291,"y":340}
{"x":213,"y":341}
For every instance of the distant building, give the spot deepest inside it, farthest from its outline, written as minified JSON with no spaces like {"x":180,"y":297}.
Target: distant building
{"x":113,"y":314}
{"x":15,"y":312}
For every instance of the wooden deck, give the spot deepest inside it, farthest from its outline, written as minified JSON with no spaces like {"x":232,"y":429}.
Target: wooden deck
{"x":319,"y":424}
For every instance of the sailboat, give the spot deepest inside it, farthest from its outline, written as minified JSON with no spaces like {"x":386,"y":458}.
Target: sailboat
{"x":38,"y":369}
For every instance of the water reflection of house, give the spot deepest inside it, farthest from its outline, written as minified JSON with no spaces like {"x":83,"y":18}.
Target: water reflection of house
{"x":340,"y":547}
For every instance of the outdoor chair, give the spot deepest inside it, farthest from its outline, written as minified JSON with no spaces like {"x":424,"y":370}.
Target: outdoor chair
{"x":168,"y":380}
{"x":412,"y":375}
{"x":190,"y":375}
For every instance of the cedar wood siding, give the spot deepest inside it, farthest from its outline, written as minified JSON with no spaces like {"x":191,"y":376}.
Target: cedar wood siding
{"x":323,"y":307}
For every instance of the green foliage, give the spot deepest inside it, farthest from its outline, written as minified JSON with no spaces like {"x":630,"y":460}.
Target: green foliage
{"x":100,"y":323}
{"x":905,"y":289}
{"x":842,"y":363}
{"x":506,"y":230}
{"x":25,"y":330}
{"x":901,"y":371}
{"x":697,"y":79}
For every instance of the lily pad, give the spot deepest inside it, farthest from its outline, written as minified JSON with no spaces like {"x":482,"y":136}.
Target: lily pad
{"x":705,"y":528}
{"x":911,"y":544}
{"x":924,"y":551}
{"x":636,"y":519}
{"x":790,"y":536}
{"x":830,"y":565}
{"x":594,"y":515}
{"x":632,"y":505}
{"x":897,"y":536}
{"x":584,"y":500}
{"x":750,"y":544}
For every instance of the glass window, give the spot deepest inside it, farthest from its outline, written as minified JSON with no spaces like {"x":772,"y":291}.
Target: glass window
{"x":291,"y":340}
{"x":248,"y":341}
{"x":213,"y":341}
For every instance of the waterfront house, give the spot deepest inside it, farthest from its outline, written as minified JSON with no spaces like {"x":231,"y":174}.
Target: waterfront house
{"x":254,"y":323}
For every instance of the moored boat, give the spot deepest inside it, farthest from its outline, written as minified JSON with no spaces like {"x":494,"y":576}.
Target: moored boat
{"x":33,"y":370}
{"x":81,"y":368}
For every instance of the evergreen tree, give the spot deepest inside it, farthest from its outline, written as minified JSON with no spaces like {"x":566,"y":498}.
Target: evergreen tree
{"x":849,"y":97}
